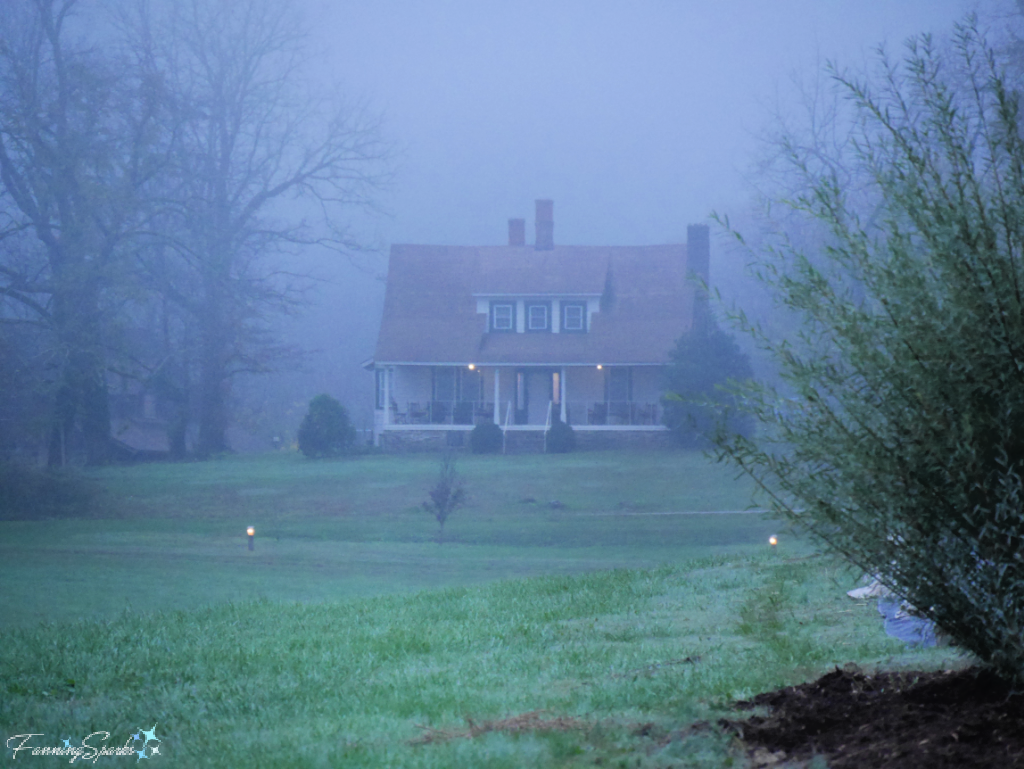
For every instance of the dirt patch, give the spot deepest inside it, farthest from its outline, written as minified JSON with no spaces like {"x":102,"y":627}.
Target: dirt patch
{"x":956,"y":719}
{"x":534,"y":721}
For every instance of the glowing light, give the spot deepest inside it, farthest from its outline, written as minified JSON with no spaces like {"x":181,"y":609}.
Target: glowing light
{"x":250,"y":531}
{"x":599,"y":367}
{"x":472,"y":367}
{"x":773,"y":540}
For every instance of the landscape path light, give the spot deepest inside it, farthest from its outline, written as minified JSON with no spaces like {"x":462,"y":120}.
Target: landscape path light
{"x":773,"y":540}
{"x":251,"y":531}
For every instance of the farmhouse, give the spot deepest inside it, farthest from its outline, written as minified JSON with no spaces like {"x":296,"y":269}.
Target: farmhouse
{"x":522,"y":335}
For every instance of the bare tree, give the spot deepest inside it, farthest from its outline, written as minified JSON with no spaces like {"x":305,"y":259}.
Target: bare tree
{"x":77,"y":148}
{"x":257,"y":144}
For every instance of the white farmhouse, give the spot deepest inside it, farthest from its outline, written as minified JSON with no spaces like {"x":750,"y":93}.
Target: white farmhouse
{"x":524,"y":334}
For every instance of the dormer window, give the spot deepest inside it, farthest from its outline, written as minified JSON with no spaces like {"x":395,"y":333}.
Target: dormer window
{"x":538,"y":317}
{"x":574,"y":317}
{"x":503,"y":316}
{"x":537,"y":313}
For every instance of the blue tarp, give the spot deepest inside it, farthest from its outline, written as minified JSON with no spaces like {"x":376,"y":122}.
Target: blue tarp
{"x":904,"y":626}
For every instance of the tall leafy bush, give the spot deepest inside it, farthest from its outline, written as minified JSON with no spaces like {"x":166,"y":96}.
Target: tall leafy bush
{"x":902,"y":446}
{"x":326,"y":430}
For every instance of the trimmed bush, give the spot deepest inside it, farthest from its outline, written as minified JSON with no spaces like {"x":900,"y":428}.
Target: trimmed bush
{"x":561,"y":438}
{"x":486,"y":438}
{"x":326,"y":430}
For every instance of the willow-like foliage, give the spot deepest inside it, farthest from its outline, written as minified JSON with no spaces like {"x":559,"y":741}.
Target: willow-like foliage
{"x":900,"y":443}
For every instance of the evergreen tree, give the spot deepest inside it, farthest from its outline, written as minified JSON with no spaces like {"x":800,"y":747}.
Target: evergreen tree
{"x":701,"y":366}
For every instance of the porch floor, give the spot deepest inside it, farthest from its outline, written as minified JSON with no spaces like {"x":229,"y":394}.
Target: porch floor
{"x":526,"y":428}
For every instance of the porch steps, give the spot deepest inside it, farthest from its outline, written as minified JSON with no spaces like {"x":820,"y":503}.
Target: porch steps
{"x":524,"y":442}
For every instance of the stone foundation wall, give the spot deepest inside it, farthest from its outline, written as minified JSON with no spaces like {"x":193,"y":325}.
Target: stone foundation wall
{"x":592,"y":440}
{"x":523,"y":441}
{"x":411,"y":441}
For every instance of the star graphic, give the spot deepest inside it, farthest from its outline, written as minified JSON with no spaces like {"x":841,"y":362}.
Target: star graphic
{"x":136,"y":736}
{"x":156,"y":750}
{"x":150,"y":734}
{"x":142,"y":755}
{"x":67,"y":743}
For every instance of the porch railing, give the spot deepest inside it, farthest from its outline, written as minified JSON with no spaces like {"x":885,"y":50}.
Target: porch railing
{"x":443,"y":412}
{"x":615,"y":413}
{"x":578,"y":412}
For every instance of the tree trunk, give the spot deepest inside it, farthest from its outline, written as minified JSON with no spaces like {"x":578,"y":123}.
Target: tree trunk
{"x":176,"y":433}
{"x":95,"y":413}
{"x":213,"y":406}
{"x":81,"y":400}
{"x":62,"y":427}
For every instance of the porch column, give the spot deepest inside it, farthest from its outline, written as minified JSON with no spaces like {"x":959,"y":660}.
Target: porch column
{"x":561,"y":395}
{"x":387,"y":397}
{"x":497,"y":396}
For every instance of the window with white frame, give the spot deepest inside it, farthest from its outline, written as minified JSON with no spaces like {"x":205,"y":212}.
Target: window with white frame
{"x":538,"y":317}
{"x":503,"y":316}
{"x":574,"y":317}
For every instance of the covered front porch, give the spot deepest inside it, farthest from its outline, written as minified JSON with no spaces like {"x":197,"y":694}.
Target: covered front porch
{"x":517,"y":397}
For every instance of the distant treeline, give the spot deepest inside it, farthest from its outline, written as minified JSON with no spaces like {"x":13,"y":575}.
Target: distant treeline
{"x":145,"y":159}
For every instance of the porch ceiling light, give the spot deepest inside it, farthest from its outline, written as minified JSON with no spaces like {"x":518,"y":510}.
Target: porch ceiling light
{"x":472,"y":367}
{"x":599,"y":367}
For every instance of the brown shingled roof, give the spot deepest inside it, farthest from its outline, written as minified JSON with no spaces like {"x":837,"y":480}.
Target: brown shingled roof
{"x":430,"y":303}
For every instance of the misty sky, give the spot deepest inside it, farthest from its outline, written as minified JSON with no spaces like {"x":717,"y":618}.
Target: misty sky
{"x":636,"y":116}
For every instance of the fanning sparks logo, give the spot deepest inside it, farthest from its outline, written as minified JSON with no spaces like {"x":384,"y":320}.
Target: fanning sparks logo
{"x":91,"y":748}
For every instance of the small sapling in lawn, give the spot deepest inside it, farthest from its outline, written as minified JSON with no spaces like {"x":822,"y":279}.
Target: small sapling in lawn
{"x":448,"y":493}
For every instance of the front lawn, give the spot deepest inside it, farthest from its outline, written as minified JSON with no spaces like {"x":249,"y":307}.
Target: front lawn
{"x":172,"y":536}
{"x":615,"y":668}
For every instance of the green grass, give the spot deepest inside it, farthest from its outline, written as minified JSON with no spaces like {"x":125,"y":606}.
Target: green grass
{"x":172,"y":536}
{"x":635,"y":656}
{"x":287,"y":483}
{"x":351,"y":634}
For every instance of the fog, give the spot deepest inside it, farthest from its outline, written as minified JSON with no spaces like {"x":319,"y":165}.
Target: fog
{"x":197,"y":205}
{"x":635,"y":118}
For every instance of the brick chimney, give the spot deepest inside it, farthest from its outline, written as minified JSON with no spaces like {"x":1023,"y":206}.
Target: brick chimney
{"x":517,"y":232}
{"x":545,"y":221}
